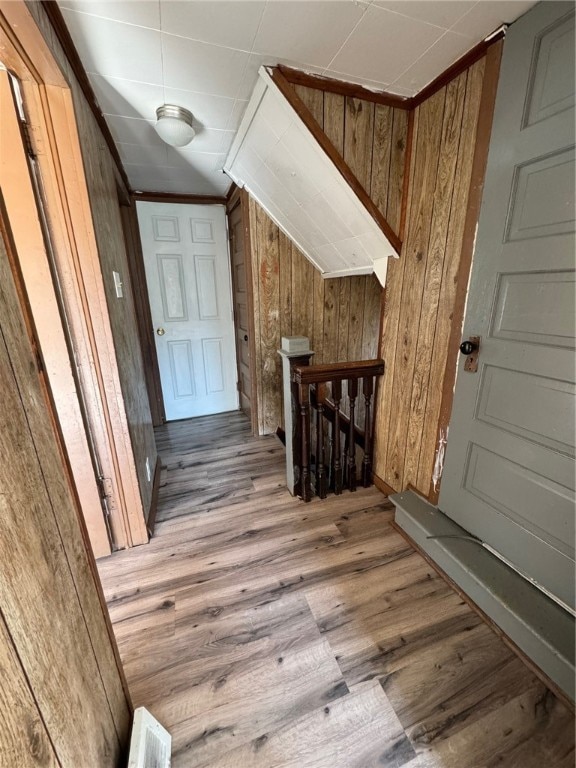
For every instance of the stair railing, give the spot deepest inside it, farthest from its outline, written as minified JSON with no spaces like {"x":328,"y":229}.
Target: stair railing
{"x":333,"y":428}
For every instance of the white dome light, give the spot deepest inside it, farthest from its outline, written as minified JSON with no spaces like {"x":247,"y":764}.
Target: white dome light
{"x":174,"y":125}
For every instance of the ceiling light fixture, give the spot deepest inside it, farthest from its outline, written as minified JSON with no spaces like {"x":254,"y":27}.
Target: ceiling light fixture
{"x":174,"y":125}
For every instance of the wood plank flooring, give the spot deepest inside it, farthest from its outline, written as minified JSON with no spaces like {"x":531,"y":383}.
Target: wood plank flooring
{"x":265,"y":633}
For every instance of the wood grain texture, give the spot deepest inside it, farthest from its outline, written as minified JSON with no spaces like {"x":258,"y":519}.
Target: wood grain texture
{"x":477,"y":173}
{"x":433,"y":278}
{"x":310,"y":636}
{"x":453,"y":232}
{"x":359,"y":139}
{"x":50,"y":600}
{"x":381,"y":155}
{"x":24,"y":741}
{"x":415,"y":255}
{"x":268,"y":271}
{"x":396,"y":189}
{"x":421,"y":315}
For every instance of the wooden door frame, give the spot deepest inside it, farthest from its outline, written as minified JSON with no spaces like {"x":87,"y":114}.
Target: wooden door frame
{"x":139,"y":287}
{"x":56,"y":144}
{"x":239,"y":197}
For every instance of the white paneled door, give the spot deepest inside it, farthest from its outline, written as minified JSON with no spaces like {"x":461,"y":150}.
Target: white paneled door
{"x":188,"y":275}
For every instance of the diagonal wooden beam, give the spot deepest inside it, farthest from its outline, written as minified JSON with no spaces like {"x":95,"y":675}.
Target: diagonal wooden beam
{"x":306,"y":116}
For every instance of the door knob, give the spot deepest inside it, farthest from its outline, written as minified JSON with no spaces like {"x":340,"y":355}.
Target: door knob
{"x":160,"y":331}
{"x":467,"y":347}
{"x":245,"y":337}
{"x":471,"y":348}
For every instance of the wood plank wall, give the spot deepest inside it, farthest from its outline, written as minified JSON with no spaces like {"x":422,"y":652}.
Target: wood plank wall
{"x":422,"y":284}
{"x":62,"y":699}
{"x":341,"y":316}
{"x":102,"y":180}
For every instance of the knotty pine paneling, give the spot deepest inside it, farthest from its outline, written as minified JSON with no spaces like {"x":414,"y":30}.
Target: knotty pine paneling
{"x":341,"y":316}
{"x":102,"y":181}
{"x":421,"y":287}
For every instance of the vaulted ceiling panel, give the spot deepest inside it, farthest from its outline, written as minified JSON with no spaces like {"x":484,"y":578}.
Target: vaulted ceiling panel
{"x":278,"y":159}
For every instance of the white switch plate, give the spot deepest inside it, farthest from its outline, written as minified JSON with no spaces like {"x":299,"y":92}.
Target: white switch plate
{"x":118,"y":285}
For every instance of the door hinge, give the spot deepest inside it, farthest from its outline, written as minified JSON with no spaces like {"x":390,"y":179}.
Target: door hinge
{"x":106,"y":494}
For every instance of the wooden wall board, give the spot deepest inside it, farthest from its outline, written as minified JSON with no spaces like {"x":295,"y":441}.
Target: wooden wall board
{"x":302,"y":294}
{"x":314,"y":100}
{"x":448,"y":283}
{"x":371,"y":318}
{"x":426,"y":158}
{"x":397,"y":168}
{"x":53,"y":612}
{"x":389,"y":337}
{"x":359,"y":139}
{"x":24,"y":741}
{"x":317,"y":339}
{"x":426,"y":287}
{"x":425,"y":340}
{"x":356,"y":315}
{"x":334,"y":110}
{"x":270,"y":332}
{"x":330,"y":350}
{"x":286,"y":286}
{"x":381,"y":155}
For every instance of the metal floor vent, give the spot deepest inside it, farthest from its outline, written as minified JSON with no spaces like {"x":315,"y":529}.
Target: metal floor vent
{"x":150,"y":744}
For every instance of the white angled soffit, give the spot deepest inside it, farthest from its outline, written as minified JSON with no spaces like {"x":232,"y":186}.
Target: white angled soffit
{"x":279,"y":161}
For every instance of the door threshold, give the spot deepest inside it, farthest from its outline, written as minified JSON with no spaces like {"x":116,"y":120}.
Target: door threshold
{"x":534,"y":624}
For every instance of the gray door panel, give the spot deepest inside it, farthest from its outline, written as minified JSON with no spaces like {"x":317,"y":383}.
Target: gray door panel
{"x":509,"y":475}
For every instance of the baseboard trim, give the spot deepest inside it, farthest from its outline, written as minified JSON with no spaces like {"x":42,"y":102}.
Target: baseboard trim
{"x":533,"y":626}
{"x":386,"y":489}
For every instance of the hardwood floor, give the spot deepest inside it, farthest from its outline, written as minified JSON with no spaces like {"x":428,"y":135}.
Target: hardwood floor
{"x":265,"y":632}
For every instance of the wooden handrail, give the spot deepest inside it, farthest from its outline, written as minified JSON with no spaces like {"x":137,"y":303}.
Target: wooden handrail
{"x":316,"y":374}
{"x":317,"y":415}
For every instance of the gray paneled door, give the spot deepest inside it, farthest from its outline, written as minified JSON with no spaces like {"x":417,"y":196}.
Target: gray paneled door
{"x":509,"y":470}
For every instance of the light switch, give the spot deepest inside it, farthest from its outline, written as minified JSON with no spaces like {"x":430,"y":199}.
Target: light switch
{"x":118,"y":285}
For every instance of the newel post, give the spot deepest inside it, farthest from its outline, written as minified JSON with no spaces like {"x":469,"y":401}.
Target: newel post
{"x":295,"y":351}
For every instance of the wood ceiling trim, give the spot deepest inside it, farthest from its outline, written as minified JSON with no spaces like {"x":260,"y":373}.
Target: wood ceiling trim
{"x":61,"y":31}
{"x":170,"y":197}
{"x":297,"y":77}
{"x":306,"y":116}
{"x":463,"y":63}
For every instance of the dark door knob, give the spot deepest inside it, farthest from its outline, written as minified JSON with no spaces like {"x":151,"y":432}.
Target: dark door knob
{"x":467,"y":347}
{"x":245,"y":337}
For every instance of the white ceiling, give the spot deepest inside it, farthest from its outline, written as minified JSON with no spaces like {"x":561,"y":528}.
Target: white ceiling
{"x":204,"y":55}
